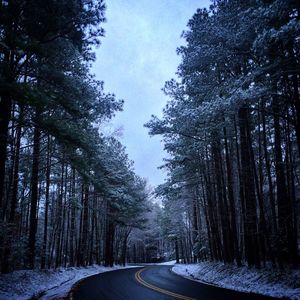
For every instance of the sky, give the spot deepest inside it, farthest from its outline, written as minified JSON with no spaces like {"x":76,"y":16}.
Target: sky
{"x":136,"y":57}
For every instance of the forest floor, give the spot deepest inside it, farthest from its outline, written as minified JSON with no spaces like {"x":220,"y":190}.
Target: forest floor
{"x":45,"y":284}
{"x":266,"y":281}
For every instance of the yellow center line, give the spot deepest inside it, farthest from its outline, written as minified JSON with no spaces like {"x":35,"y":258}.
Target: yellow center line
{"x":157,"y":289}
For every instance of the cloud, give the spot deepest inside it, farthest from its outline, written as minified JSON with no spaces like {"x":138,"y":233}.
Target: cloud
{"x":135,"y":59}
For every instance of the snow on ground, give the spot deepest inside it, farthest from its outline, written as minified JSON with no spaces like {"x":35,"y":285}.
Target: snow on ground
{"x":168,"y":263}
{"x":46,"y":284}
{"x":165,"y":263}
{"x":268,"y":282}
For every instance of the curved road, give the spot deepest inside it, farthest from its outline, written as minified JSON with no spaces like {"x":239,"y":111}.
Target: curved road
{"x":151,"y":283}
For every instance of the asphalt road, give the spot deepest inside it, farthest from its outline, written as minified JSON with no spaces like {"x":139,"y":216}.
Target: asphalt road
{"x":151,"y":283}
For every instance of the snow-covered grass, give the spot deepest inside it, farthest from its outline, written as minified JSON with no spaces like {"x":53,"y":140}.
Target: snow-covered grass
{"x":48,"y":284}
{"x":266,"y":281}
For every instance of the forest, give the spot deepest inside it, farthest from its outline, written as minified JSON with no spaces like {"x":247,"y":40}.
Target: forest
{"x":231,"y":128}
{"x":69,"y":194}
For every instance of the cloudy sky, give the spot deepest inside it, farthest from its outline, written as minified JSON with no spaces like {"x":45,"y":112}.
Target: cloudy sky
{"x":137,"y":56}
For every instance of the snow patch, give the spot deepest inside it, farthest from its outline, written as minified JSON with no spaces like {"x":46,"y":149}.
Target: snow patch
{"x":168,"y":263}
{"x":46,"y":284}
{"x":265,"y":281}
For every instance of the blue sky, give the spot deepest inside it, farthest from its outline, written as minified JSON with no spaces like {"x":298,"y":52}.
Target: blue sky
{"x":137,"y":56}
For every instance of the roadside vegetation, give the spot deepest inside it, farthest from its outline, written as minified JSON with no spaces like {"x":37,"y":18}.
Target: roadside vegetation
{"x":68,"y":192}
{"x":69,"y":195}
{"x":231,"y":128}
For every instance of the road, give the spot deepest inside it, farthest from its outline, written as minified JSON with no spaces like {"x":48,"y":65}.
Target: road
{"x":151,"y":283}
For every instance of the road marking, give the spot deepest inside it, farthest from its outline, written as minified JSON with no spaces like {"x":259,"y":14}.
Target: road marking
{"x":157,"y":289}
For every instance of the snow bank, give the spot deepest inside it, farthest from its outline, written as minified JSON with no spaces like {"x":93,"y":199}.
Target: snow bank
{"x":267,"y":281}
{"x":46,"y":284}
{"x":165,"y":263}
{"x":168,"y":263}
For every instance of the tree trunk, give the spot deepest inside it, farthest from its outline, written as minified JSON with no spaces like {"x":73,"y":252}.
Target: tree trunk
{"x":250,"y":222}
{"x":231,"y":201}
{"x":47,"y":200}
{"x":285,"y":249}
{"x":221,"y":206}
{"x":73,"y":216}
{"x":34,"y":196}
{"x":5,"y":110}
{"x":176,"y":250}
{"x":109,"y":244}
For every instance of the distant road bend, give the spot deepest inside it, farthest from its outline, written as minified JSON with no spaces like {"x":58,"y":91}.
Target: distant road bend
{"x":151,"y":283}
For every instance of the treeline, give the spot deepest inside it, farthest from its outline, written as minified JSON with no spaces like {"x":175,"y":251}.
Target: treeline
{"x":232,"y":130}
{"x":68,"y":194}
{"x":149,"y":243}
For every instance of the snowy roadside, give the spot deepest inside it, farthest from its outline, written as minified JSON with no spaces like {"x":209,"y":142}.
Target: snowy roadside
{"x":268,"y":282}
{"x":167,"y":263}
{"x":48,"y":284}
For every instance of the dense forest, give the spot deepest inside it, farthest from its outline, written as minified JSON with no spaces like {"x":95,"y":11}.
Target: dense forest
{"x":231,"y":128}
{"x":68,"y":193}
